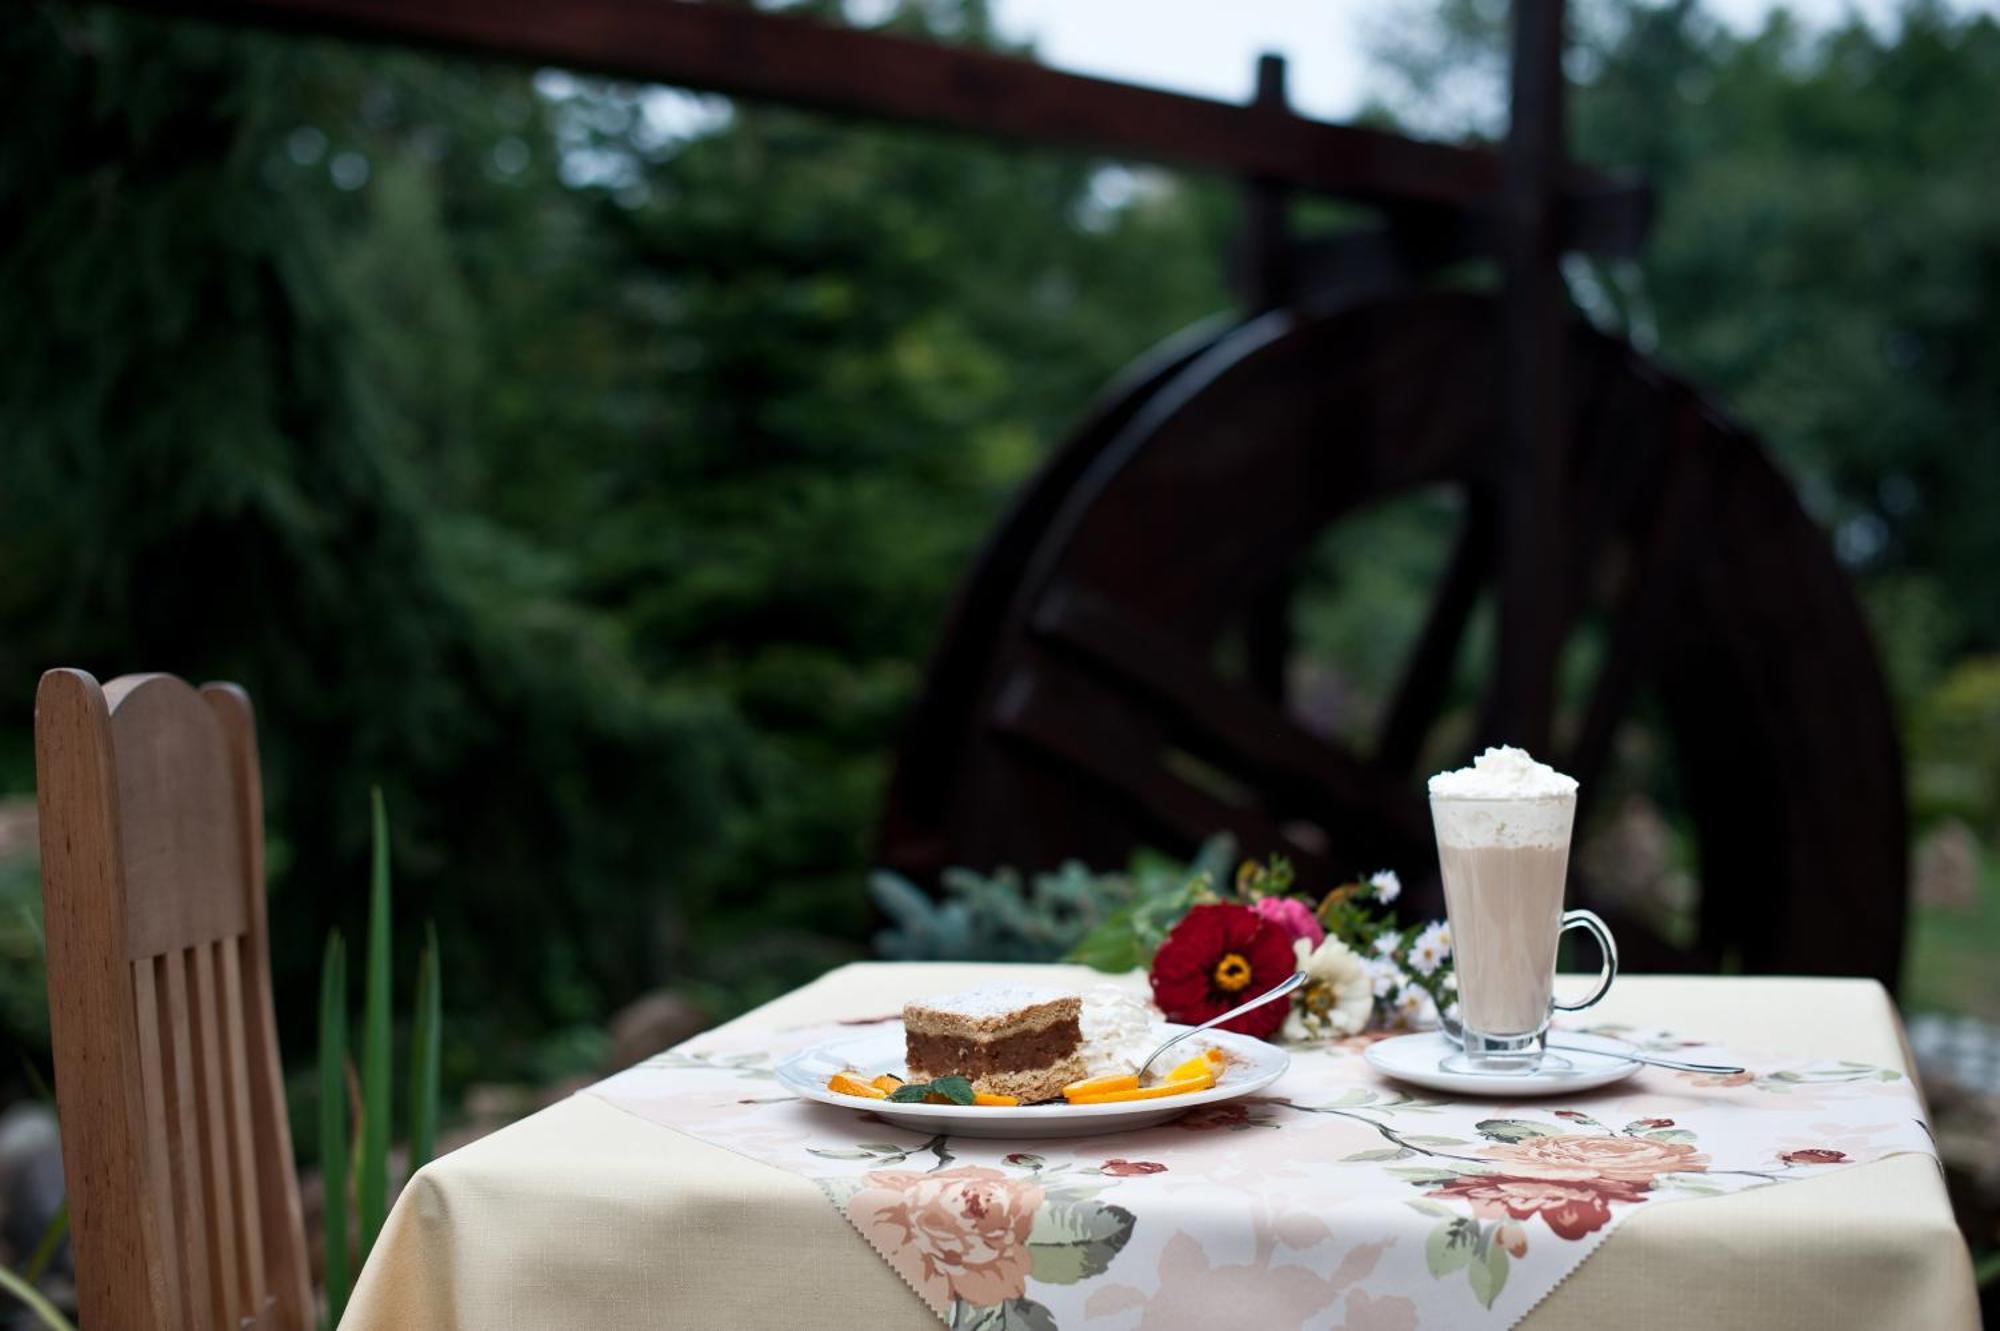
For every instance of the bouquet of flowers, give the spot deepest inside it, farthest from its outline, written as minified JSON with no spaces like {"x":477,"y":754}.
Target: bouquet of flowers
{"x":1212,"y":949}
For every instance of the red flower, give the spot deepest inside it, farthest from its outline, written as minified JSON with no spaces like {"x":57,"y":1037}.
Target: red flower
{"x":1129,"y":1168}
{"x":1813,"y":1155}
{"x":1215,"y":958}
{"x":1570,"y":1207}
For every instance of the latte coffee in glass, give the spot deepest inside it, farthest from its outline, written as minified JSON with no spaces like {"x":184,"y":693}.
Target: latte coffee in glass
{"x":1503,"y":832}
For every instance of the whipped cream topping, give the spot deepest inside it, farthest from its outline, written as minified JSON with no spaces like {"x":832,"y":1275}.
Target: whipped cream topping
{"x":1505,"y":798}
{"x":1119,"y":1029}
{"x":1503,"y":773}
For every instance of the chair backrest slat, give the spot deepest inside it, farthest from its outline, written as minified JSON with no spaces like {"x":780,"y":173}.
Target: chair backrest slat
{"x":218,"y":1164}
{"x":184,"y":1137}
{"x":154,"y":1073}
{"x":184,"y":1207}
{"x":237,"y":1132}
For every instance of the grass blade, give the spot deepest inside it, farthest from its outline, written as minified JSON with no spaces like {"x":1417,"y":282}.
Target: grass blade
{"x":372,"y":1181}
{"x":427,"y":1026}
{"x":333,"y":1168}
{"x":39,"y":1306}
{"x":45,"y":1247}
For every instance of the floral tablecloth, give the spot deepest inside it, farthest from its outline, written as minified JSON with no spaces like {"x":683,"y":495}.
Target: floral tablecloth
{"x":1336,"y":1199}
{"x":590,"y":1215}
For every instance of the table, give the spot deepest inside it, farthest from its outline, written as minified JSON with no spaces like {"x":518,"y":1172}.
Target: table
{"x":585,"y":1216}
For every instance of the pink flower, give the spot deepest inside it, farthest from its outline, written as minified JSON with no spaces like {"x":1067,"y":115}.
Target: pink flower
{"x":1294,"y":917}
{"x":1131,"y":1168}
{"x":1623,"y":1159}
{"x":1813,"y":1155}
{"x":952,"y":1233}
{"x":1570,"y":1207}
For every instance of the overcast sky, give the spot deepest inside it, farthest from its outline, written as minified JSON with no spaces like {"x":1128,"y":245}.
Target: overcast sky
{"x":1210,"y":47}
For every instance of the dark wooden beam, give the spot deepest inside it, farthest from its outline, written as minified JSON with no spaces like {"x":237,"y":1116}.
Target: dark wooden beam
{"x":744,"y":52}
{"x":1265,"y":284}
{"x":1529,"y":641}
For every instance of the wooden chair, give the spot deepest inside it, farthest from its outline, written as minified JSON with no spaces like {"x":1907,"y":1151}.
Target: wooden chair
{"x":183,"y":1204}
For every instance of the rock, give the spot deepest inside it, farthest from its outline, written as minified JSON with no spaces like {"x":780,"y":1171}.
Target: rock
{"x":17,"y":828}
{"x":31,"y":1180}
{"x":1946,"y":868}
{"x":657,"y":1021}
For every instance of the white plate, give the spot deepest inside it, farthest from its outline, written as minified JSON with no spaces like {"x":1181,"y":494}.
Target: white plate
{"x":1418,"y":1059}
{"x":1253,"y":1065}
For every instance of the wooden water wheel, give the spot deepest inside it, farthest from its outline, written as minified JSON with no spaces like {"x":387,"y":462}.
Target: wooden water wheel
{"x":1074,"y":709}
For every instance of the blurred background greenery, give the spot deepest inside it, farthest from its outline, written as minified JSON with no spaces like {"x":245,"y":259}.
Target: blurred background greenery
{"x":590,"y":467}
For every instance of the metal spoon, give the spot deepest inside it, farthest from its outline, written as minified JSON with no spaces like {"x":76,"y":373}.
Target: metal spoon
{"x":1296,"y":979}
{"x":1452,"y":1028}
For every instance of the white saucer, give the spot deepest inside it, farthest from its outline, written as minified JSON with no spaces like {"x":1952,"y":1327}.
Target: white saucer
{"x":1253,"y":1065}
{"x":1419,"y":1060}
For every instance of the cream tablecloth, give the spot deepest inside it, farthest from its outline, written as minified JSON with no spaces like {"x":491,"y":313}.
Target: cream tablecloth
{"x":585,"y":1216}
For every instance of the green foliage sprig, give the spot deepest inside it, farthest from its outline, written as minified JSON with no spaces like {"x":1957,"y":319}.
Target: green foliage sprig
{"x":1071,"y":912}
{"x":364,"y":1166}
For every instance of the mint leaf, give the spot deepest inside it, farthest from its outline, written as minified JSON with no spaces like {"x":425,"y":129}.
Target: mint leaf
{"x":955,"y":1089}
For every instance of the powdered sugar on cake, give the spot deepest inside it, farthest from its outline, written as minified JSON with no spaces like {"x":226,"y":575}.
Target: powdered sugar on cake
{"x":993,"y":1001}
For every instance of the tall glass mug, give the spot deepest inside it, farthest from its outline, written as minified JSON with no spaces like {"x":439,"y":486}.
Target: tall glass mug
{"x":1503,"y":832}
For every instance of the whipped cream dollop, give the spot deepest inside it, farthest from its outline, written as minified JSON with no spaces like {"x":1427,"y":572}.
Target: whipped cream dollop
{"x":1119,"y":1029}
{"x":1505,"y":798}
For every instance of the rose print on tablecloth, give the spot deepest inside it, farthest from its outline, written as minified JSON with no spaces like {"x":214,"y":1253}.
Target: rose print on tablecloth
{"x":955,"y":1234}
{"x":1387,"y":1211}
{"x":969,"y":1238}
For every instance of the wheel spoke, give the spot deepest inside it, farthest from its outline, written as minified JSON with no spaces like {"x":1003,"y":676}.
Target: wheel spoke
{"x":1427,"y":677}
{"x":1363,"y":812}
{"x":1659,"y":531}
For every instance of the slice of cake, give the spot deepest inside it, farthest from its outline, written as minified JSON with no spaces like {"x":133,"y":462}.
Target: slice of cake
{"x":1006,"y":1041}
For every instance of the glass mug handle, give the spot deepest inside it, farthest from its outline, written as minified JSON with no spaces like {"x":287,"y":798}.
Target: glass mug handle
{"x":1587,"y":920}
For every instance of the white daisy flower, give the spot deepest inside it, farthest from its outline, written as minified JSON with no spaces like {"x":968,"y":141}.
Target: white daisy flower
{"x":1433,"y":945}
{"x":1414,"y":1007}
{"x":1387,"y":943}
{"x":1387,"y":886}
{"x":1338,"y":996}
{"x":1386,"y":976}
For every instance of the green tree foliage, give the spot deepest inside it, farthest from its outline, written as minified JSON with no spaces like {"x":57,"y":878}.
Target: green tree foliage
{"x":589,"y":479}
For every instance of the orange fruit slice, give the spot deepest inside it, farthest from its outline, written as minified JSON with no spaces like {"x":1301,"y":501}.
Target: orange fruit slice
{"x":1211,"y":1061}
{"x":850,"y":1083}
{"x":982,"y":1098}
{"x":1181,"y":1086}
{"x":1100,"y":1085}
{"x":888,"y":1083}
